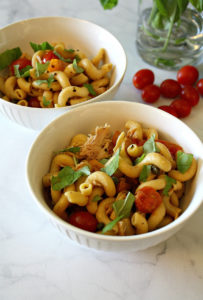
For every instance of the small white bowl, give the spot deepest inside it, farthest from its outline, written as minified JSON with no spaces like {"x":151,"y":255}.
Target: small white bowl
{"x":83,"y":120}
{"x":75,"y":33}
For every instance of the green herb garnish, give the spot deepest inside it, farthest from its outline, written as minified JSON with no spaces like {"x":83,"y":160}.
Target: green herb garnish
{"x":139,"y":159}
{"x":41,"y":68}
{"x":169,"y":182}
{"x":96,"y":198}
{"x":146,"y":170}
{"x":45,"y":101}
{"x":8,"y":56}
{"x":90,"y":89}
{"x":184,"y":161}
{"x":71,"y":149}
{"x":42,"y":46}
{"x":112,"y":165}
{"x":68,"y":60}
{"x":25,"y":72}
{"x":67,"y":176}
{"x":77,"y":68}
{"x":111,"y":225}
{"x":48,"y":81}
{"x":150,"y":145}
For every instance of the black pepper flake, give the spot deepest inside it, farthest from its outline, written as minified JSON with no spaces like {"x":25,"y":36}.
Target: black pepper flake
{"x":74,"y":90}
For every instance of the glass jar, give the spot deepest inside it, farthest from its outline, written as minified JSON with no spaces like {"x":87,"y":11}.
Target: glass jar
{"x":169,"y":35}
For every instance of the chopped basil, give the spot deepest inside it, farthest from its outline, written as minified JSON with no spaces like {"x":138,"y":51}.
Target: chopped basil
{"x":8,"y":56}
{"x":71,"y":149}
{"x":75,"y":160}
{"x":90,"y":89}
{"x":169,"y":182}
{"x":96,"y":198}
{"x":123,"y":207}
{"x":76,"y":67}
{"x":41,"y":68}
{"x":25,"y":72}
{"x":77,"y":58}
{"x":139,"y":159}
{"x":42,"y":46}
{"x":184,"y":161}
{"x":146,"y":170}
{"x":45,"y":102}
{"x":70,"y":50}
{"x":103,"y":161}
{"x":48,"y":81}
{"x":150,"y":145}
{"x":68,"y":60}
{"x":67,"y":176}
{"x":115,"y":179}
{"x":111,"y":225}
{"x":112,"y":165}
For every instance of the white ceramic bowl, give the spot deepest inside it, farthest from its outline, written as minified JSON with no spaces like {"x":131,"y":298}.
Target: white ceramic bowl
{"x":75,"y":33}
{"x":55,"y":136}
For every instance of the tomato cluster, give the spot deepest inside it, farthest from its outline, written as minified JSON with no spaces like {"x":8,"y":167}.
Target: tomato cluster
{"x":184,"y":91}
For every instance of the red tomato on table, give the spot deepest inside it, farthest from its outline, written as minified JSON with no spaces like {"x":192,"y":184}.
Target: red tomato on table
{"x":187,"y":75}
{"x":143,"y":78}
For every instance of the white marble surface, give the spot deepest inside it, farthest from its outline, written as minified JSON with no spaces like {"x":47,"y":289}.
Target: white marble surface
{"x":36,"y":261}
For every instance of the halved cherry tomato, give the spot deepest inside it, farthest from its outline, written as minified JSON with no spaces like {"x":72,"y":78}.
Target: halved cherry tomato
{"x":169,"y":110}
{"x":200,"y":86}
{"x":173,"y":148}
{"x":190,"y":94}
{"x":34,"y":102}
{"x":22,"y":62}
{"x":170,"y":88}
{"x":48,"y":56}
{"x":143,"y":78}
{"x":187,"y":75}
{"x":83,"y":220}
{"x":151,"y":93}
{"x":182,"y":107}
{"x":147,"y":199}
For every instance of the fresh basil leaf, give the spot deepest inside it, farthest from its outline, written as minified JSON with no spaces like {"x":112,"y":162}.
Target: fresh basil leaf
{"x":75,"y":160}
{"x":48,"y":81}
{"x":71,"y":149}
{"x":8,"y":56}
{"x":67,"y":176}
{"x":42,"y":46}
{"x":139,"y":159}
{"x":184,"y":161}
{"x":68,"y":60}
{"x":41,"y":68}
{"x":150,"y":145}
{"x":90,"y":89}
{"x":96,"y":198}
{"x":111,"y":225}
{"x":103,"y":161}
{"x":123,"y":207}
{"x":169,"y":182}
{"x":45,"y":102}
{"x":76,"y":67}
{"x":77,"y":58}
{"x":112,"y":165}
{"x":25,"y":72}
{"x":146,"y":170}
{"x":108,"y":4}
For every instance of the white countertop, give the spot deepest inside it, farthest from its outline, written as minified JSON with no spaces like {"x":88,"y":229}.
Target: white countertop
{"x":36,"y":261}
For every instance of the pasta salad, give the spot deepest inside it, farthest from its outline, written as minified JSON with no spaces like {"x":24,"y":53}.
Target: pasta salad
{"x":119,"y":183}
{"x":54,"y":76}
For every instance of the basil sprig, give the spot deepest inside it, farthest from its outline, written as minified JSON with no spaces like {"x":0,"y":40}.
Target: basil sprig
{"x":122,"y":210}
{"x":67,"y":176}
{"x":8,"y":56}
{"x":184,"y":161}
{"x":42,"y":46}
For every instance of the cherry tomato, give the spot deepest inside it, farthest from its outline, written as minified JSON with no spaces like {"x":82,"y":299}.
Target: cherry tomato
{"x":147,"y":199}
{"x":34,"y":102}
{"x":173,"y":148}
{"x":22,"y":62}
{"x":187,"y":75}
{"x":200,"y":86}
{"x":182,"y":107}
{"x":170,"y":88}
{"x":151,"y":93}
{"x":83,"y":220}
{"x":143,"y":78}
{"x":48,"y":56}
{"x":169,"y":110}
{"x":190,"y":94}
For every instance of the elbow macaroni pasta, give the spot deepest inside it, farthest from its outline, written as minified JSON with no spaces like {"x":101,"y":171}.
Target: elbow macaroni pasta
{"x":100,"y":193}
{"x":69,"y":73}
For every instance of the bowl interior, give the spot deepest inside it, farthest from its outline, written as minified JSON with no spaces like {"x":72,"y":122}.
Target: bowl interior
{"x":57,"y":135}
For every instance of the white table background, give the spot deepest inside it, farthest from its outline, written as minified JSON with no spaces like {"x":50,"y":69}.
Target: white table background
{"x":36,"y":261}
